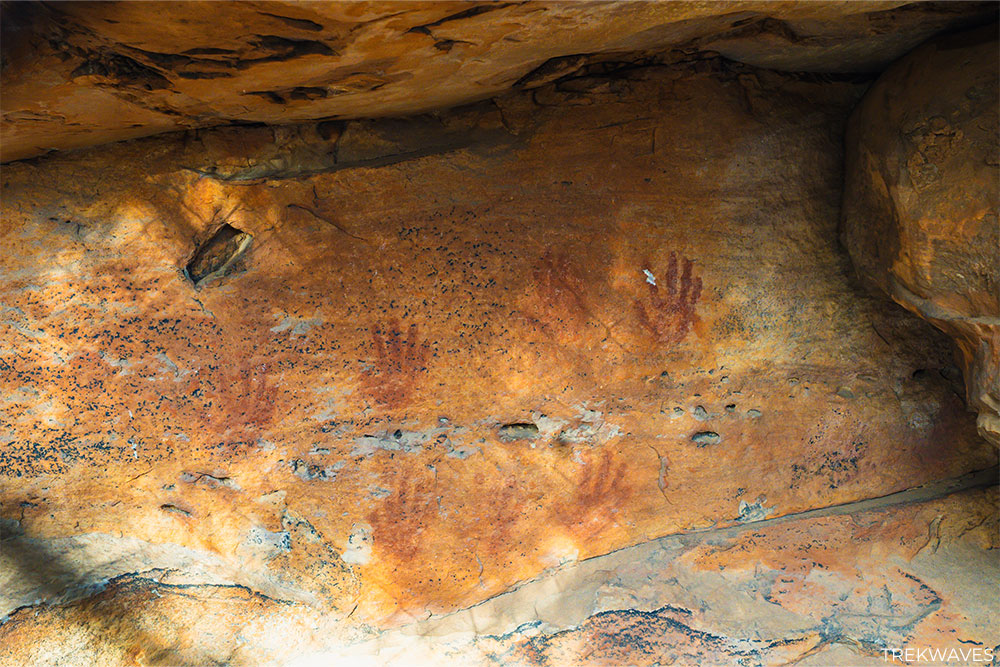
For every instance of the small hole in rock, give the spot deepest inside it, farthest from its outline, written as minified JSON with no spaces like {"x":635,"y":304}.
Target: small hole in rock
{"x":220,"y":255}
{"x":518,"y":431}
{"x":705,"y":438}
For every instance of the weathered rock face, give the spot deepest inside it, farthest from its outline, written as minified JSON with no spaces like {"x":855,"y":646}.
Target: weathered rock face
{"x":922,"y":196}
{"x":275,"y":393}
{"x":81,"y":73}
{"x":849,"y":587}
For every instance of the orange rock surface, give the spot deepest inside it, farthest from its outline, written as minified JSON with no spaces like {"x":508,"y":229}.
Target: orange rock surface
{"x":579,"y":374}
{"x":77,"y":74}
{"x":922,"y":195}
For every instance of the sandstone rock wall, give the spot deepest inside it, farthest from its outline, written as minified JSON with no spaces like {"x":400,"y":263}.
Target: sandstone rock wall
{"x":322,"y":388}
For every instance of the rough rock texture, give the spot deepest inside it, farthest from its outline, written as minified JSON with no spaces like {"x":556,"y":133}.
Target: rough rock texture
{"x":834,"y":587}
{"x":82,"y":73}
{"x":922,"y":195}
{"x":301,"y":392}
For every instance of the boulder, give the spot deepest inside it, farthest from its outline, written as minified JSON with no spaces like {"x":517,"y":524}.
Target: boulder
{"x":921,"y":199}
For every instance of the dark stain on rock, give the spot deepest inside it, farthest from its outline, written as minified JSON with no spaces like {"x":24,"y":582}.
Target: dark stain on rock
{"x":836,"y":467}
{"x":447,"y":45}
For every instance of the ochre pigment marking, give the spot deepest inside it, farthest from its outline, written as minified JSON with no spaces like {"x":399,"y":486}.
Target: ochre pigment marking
{"x":559,"y":288}
{"x":669,"y":308}
{"x":245,"y":402}
{"x":598,"y":496}
{"x":399,"y":520}
{"x":399,"y":357}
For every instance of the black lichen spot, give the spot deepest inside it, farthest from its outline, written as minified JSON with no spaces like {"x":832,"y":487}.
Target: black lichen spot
{"x":218,"y":256}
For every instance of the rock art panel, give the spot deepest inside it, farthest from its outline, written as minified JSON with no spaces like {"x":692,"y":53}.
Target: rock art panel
{"x":475,"y":388}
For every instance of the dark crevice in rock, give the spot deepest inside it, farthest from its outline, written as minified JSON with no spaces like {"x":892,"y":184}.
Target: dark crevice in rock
{"x":204,"y":75}
{"x":301,"y":24}
{"x":297,"y":93}
{"x":272,"y":47}
{"x":282,"y":49}
{"x":220,"y":255}
{"x":464,"y":14}
{"x":208,"y":51}
{"x":122,"y":70}
{"x":268,"y":95}
{"x":980,"y":479}
{"x":175,"y":509}
{"x":367,"y":144}
{"x":551,"y":70}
